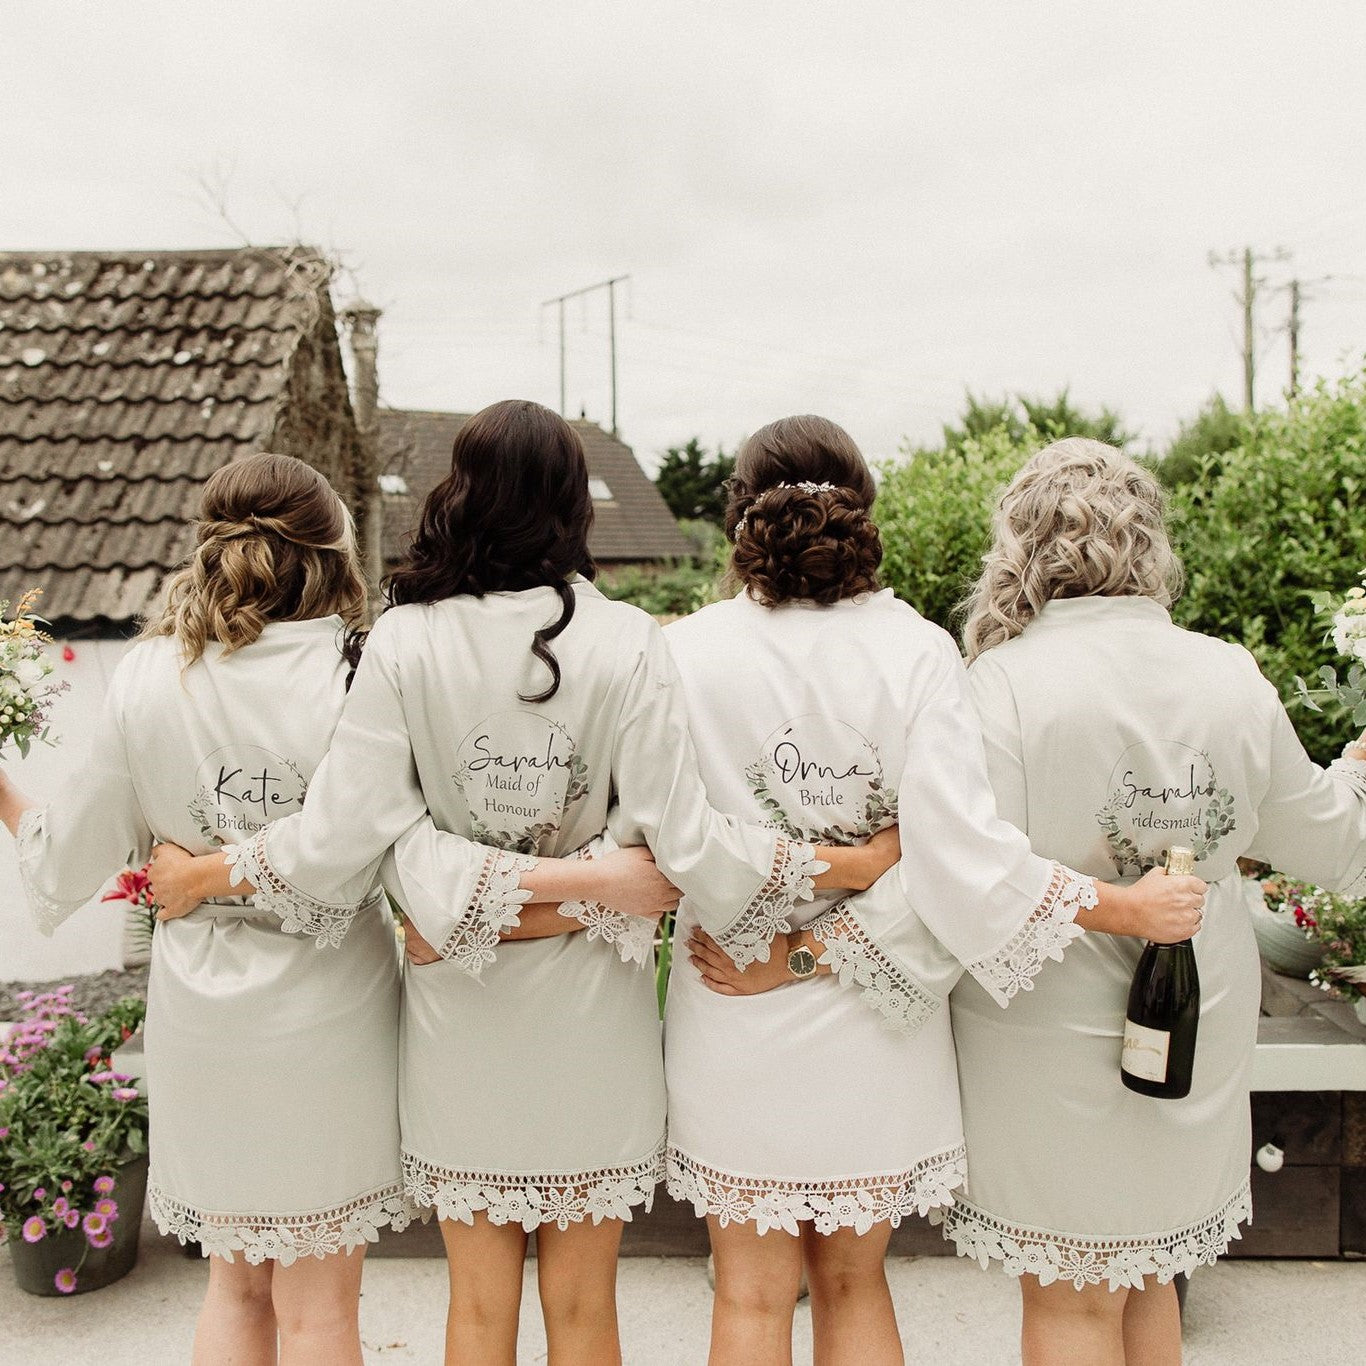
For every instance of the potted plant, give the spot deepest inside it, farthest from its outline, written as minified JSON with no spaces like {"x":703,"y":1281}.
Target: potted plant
{"x":1340,"y":925}
{"x":73,"y":1146}
{"x":1285,"y":929}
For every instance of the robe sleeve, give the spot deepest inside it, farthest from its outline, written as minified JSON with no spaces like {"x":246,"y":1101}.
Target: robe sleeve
{"x":95,"y":829}
{"x":742,"y":881}
{"x":1311,"y":821}
{"x":966,"y":875}
{"x":316,"y":868}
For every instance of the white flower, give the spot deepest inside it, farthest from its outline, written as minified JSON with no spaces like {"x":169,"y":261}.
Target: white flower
{"x":30,"y":672}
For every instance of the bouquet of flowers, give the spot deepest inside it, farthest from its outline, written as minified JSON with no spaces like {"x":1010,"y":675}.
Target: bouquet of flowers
{"x":68,"y":1122}
{"x":1298,"y":900}
{"x":25,"y":672}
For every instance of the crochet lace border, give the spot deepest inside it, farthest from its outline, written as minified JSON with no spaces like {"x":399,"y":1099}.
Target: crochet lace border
{"x":1049,"y":929}
{"x":559,"y":1198}
{"x":1026,"y":1251}
{"x":790,"y":880}
{"x":856,"y":1202}
{"x":495,"y":906}
{"x":326,"y":922}
{"x":633,"y":936}
{"x":47,"y":911}
{"x":282,"y":1237}
{"x":858,"y":962}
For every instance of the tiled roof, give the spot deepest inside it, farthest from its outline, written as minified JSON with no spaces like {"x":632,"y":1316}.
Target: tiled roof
{"x":126,"y":378}
{"x":635,"y":524}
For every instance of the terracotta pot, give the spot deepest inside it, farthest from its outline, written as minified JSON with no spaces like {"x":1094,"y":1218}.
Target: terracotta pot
{"x":37,"y":1264}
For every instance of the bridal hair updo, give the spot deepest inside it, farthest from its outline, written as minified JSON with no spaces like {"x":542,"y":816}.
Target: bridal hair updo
{"x":1079,"y":520}
{"x":513,"y":513}
{"x":274,"y":542}
{"x":795,"y":540}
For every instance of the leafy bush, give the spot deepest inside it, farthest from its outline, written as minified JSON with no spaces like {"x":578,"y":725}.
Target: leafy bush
{"x":1282,"y":520}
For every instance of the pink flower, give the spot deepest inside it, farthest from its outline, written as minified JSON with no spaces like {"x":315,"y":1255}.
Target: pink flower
{"x":71,"y":1218}
{"x":65,"y":1280}
{"x":125,"y":1093}
{"x":92,"y":1054}
{"x":39,"y":1195}
{"x":34,"y":1229}
{"x":94,"y":1223}
{"x":60,"y":1206}
{"x":89,"y":1145}
{"x":66,"y":1186}
{"x":103,"y":1185}
{"x":4,"y":1133}
{"x":100,"y":1240}
{"x":98,"y":1077}
{"x":135,"y":887}
{"x":108,"y":1208}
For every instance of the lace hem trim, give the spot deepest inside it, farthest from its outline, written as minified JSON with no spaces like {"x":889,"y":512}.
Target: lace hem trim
{"x":299,"y":914}
{"x":858,"y":962}
{"x":1025,"y":1251}
{"x":748,"y":936}
{"x":856,"y":1202}
{"x":633,"y":936}
{"x":282,"y":1237}
{"x":48,"y":912}
{"x":1050,"y":928}
{"x":495,"y":906}
{"x":560,"y":1198}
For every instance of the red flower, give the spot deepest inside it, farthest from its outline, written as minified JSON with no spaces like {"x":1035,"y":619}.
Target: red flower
{"x":135,"y":887}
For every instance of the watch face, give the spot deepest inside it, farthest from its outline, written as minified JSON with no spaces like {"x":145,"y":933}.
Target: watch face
{"x":801,"y":963}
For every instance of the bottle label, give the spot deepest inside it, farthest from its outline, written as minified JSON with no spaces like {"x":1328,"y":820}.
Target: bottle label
{"x":1145,"y":1051}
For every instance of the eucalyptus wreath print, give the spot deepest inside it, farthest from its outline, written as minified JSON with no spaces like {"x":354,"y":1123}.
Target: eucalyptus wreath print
{"x":1163,"y":794}
{"x":820,"y":779}
{"x":241,"y":788}
{"x":519,"y":773}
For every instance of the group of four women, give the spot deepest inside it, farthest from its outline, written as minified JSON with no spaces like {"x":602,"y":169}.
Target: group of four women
{"x":949,"y":873}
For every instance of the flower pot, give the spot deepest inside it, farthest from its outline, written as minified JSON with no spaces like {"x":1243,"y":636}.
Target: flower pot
{"x":1282,"y":943}
{"x":36,"y":1264}
{"x":1359,"y":1005}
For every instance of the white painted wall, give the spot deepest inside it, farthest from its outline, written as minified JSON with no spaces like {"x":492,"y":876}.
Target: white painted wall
{"x":91,"y":939}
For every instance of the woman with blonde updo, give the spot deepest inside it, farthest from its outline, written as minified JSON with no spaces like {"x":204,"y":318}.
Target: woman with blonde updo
{"x":272,"y":1068}
{"x":1111,"y":735}
{"x":806,"y":1124}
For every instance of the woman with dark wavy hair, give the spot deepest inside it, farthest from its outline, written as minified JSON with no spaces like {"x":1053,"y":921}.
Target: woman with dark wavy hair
{"x":505,"y":696}
{"x":806,"y":1124}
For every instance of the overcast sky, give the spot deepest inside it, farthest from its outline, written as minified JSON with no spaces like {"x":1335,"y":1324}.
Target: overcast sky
{"x":855,"y":209}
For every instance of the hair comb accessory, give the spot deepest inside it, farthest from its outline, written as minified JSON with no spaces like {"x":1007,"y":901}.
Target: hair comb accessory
{"x":805,"y":485}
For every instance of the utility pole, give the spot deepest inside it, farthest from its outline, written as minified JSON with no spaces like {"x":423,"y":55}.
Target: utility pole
{"x":1294,"y":337}
{"x":1247,"y":260}
{"x":559,"y":301}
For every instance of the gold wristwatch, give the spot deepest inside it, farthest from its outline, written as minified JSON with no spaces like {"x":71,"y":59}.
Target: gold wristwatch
{"x":801,"y":962}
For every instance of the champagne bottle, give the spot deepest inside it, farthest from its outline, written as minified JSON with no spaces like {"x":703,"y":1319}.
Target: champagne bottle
{"x":1164,"y":1011}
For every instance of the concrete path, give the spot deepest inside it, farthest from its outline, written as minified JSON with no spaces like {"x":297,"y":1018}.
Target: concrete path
{"x":952,"y":1314}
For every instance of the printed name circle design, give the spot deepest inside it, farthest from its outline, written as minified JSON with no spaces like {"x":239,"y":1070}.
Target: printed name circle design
{"x":519,"y":773}
{"x":241,"y":788}
{"x":820,"y":778}
{"x":1163,"y":793}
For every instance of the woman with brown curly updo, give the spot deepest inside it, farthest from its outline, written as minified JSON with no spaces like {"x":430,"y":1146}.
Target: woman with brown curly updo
{"x":805,"y":1124}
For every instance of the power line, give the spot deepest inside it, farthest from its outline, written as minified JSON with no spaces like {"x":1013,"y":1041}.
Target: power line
{"x":1246,"y":296}
{"x":559,"y":301}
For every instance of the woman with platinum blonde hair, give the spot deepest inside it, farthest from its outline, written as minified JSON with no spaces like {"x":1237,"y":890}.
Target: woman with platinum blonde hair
{"x":1112,"y":734}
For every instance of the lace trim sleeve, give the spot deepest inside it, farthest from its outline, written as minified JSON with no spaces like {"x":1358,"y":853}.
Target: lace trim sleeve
{"x":748,"y":936}
{"x":48,"y":912}
{"x":495,"y":906}
{"x":633,"y":936}
{"x":858,"y":962}
{"x":1047,"y":932}
{"x":327,"y":922}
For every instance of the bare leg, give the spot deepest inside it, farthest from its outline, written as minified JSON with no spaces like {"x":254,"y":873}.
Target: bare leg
{"x":1152,"y":1326}
{"x":853,"y":1321}
{"x":757,"y":1276}
{"x":576,"y":1273}
{"x":317,"y":1305}
{"x":485,"y":1263}
{"x":236,"y":1322}
{"x":1064,"y":1326}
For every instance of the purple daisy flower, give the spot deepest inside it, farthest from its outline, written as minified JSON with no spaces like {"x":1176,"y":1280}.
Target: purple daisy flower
{"x":103,"y":1185}
{"x":108,"y":1208}
{"x":125,"y":1093}
{"x":94,"y":1222}
{"x":34,"y":1229}
{"x":60,"y":1206}
{"x":66,"y":1187}
{"x":71,"y":1218}
{"x":39,"y":1195}
{"x":65,"y":1280}
{"x":100,"y":1240}
{"x":103,"y":1076}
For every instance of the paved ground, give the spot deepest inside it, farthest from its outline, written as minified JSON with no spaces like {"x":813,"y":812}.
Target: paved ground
{"x":952,"y":1314}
